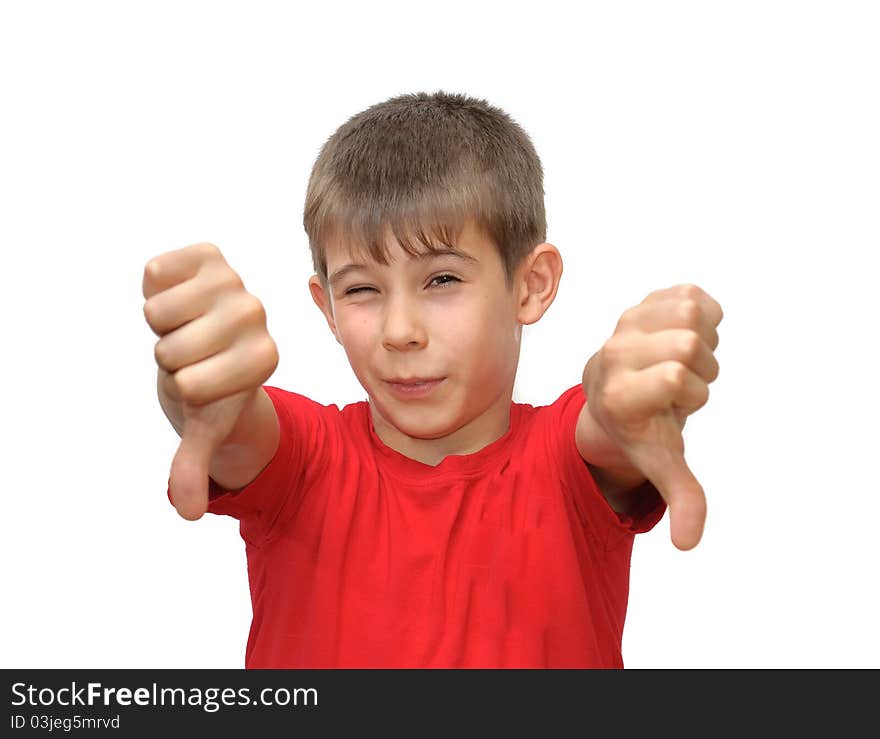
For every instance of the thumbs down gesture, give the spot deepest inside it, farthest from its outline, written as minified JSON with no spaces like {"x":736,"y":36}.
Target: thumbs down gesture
{"x":642,"y":385}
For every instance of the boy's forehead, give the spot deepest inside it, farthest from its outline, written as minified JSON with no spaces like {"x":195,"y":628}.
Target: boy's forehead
{"x":472,"y":245}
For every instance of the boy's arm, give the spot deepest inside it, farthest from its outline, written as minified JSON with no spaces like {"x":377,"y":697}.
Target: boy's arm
{"x":616,"y":477}
{"x":640,"y":387}
{"x":250,"y":447}
{"x":214,"y":353}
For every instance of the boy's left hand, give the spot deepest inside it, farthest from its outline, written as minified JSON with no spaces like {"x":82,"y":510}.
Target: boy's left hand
{"x":646,"y":380}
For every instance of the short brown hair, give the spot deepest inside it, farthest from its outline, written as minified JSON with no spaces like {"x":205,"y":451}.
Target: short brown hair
{"x":422,"y":165}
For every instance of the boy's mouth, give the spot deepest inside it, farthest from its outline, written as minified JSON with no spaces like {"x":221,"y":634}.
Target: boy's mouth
{"x":413,"y":380}
{"x":413,"y":386}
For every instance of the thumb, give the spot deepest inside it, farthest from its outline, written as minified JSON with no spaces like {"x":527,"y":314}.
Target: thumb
{"x":188,"y":480}
{"x":663,"y":463}
{"x":687,"y":503}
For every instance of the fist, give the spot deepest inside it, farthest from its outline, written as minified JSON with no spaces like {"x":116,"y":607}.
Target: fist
{"x":645,"y":381}
{"x":213,"y":354}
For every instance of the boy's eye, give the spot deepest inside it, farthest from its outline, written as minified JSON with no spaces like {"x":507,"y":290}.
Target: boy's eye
{"x":451,"y":279}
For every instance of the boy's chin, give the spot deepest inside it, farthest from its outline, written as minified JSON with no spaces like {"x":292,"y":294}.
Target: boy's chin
{"x":423,"y":422}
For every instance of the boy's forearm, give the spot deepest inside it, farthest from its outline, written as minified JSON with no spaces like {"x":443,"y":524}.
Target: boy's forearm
{"x":606,"y":460}
{"x":250,"y":446}
{"x":615,"y":476}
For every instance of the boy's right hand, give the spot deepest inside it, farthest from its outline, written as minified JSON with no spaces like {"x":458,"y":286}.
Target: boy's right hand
{"x":214,"y":353}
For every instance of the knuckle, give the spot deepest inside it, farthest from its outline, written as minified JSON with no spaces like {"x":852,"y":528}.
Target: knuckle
{"x":162,"y":354}
{"x":624,"y":321}
{"x":230,"y":280}
{"x":169,"y":384}
{"x":675,"y":375}
{"x":269,"y":351}
{"x":253,"y":307}
{"x":611,"y":396}
{"x":187,"y":385}
{"x":151,"y":268}
{"x":208,"y":249}
{"x":689,"y":290}
{"x":612,"y":349}
{"x":273,"y":349}
{"x":690,"y":345}
{"x":690,"y":311}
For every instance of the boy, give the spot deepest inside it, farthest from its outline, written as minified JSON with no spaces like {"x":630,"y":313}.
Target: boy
{"x":437,"y":524}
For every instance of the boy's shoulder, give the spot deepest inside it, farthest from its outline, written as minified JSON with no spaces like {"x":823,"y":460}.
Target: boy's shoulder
{"x":299,"y":405}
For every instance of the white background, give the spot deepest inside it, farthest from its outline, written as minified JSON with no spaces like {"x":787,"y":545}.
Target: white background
{"x":732,"y":145}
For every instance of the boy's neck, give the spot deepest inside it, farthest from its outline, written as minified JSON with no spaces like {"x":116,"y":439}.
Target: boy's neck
{"x":473,"y":436}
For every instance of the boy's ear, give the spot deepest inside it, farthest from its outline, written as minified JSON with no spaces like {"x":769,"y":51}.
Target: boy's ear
{"x":324,"y":302}
{"x":537,"y":282}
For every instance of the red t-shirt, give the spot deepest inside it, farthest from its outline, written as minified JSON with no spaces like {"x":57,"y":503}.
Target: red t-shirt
{"x":360,"y":557}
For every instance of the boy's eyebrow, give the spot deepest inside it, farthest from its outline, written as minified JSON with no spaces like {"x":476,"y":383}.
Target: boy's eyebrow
{"x":447,"y":251}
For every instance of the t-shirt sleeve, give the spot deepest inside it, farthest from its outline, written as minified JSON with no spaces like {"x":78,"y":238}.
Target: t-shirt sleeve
{"x":605,"y":523}
{"x":274,"y":494}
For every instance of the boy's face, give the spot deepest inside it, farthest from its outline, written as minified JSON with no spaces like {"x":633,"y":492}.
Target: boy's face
{"x":445,"y":317}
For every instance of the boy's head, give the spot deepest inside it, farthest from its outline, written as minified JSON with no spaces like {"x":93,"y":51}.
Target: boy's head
{"x":422,"y":164}
{"x":394,"y":188}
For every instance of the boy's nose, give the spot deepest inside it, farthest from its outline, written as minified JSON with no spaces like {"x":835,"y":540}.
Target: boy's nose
{"x":403,"y":327}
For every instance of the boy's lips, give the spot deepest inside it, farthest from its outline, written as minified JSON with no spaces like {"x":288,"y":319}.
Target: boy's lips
{"x":414,"y":387}
{"x":412,"y":380}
